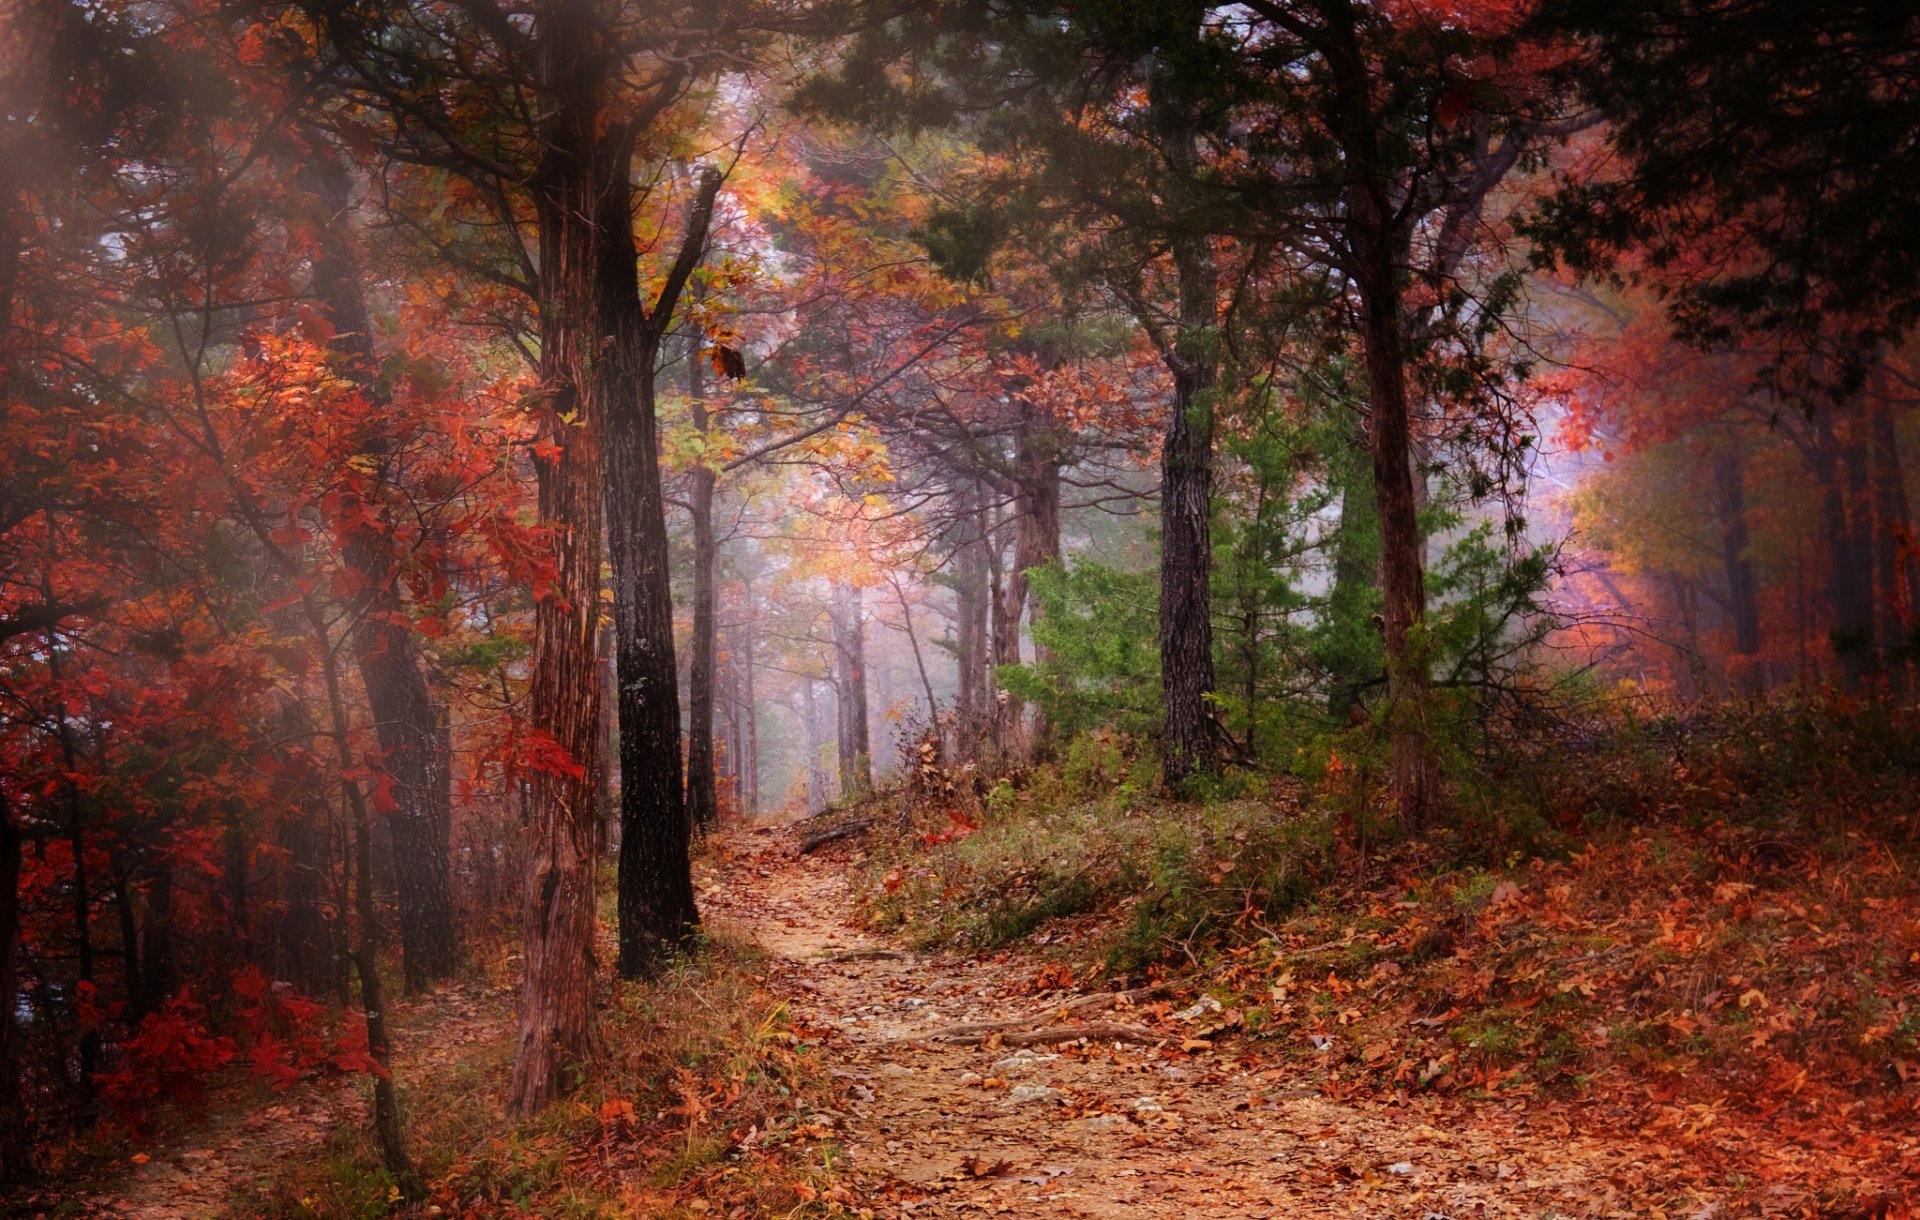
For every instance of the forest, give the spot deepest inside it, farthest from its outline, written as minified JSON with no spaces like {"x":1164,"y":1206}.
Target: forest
{"x":1083,"y":608}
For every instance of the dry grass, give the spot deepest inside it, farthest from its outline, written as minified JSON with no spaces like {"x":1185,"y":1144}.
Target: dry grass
{"x":706,"y":1099}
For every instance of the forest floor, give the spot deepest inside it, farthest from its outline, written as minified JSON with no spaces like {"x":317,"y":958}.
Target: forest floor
{"x":1073,"y":1106}
{"x":199,"y":1166}
{"x":974,"y":1083}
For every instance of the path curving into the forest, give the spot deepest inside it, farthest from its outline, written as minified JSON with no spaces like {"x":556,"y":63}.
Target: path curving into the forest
{"x":1120,"y":1128}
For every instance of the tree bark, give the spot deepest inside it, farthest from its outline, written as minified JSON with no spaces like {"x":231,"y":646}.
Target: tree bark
{"x":1037,"y":461}
{"x":1356,"y":575}
{"x":556,"y":1030}
{"x":656,"y":903}
{"x":1189,"y":742}
{"x":703,"y":804}
{"x":1893,"y":588}
{"x":1849,"y":567}
{"x":1377,"y":245}
{"x":406,"y":716}
{"x":816,"y":746}
{"x":972,"y":701}
{"x":850,"y":684}
{"x":1736,"y":565}
{"x":749,"y":784}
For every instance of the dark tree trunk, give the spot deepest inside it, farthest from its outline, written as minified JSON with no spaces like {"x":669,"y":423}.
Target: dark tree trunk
{"x":130,"y":977}
{"x":307,"y":951}
{"x":1378,"y":244}
{"x":81,"y":893}
{"x":656,"y":902}
{"x":1189,"y":739}
{"x":157,"y":966}
{"x":850,"y":685}
{"x":703,"y":804}
{"x":366,"y":956}
{"x":1849,"y":567}
{"x":1004,"y":711}
{"x":1736,"y":565}
{"x":1356,"y":577}
{"x":1402,"y":582}
{"x":406,"y":716}
{"x":1894,"y":590}
{"x":16,"y":1146}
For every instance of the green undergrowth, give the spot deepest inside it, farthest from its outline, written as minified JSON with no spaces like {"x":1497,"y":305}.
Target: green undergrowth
{"x":706,"y":1097}
{"x":1727,"y":900}
{"x":1168,"y":877}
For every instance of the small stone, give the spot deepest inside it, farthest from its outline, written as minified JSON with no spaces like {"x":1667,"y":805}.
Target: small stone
{"x":1020,"y":1062}
{"x":1102,"y":1122}
{"x":1021,"y":1094}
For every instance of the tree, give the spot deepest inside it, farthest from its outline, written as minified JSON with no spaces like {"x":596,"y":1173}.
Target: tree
{"x":1362,"y":140}
{"x":1763,"y":176}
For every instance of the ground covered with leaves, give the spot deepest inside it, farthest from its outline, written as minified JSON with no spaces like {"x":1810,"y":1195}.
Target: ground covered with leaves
{"x":1707,"y":934}
{"x":1682,"y":986}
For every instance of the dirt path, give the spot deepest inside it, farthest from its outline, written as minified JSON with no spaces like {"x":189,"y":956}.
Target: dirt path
{"x":1102,"y":1129}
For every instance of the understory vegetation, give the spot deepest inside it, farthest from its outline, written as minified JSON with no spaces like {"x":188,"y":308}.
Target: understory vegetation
{"x":706,"y":1095}
{"x":1686,"y":920}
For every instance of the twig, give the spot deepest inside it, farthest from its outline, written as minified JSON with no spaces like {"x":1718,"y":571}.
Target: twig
{"x":856,"y":955}
{"x":1099,"y":1031}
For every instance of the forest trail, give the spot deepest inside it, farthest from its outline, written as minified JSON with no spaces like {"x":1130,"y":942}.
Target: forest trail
{"x":1107,"y":1129}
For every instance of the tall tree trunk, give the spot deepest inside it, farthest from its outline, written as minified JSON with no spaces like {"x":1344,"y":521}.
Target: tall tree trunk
{"x":1003,"y":710}
{"x":1189,"y":739}
{"x":16,"y":1148}
{"x":1737,"y":565}
{"x":850,"y":684}
{"x":656,"y":902}
{"x":589,"y":274}
{"x":1849,"y":568}
{"x":816,"y":746}
{"x":1893,"y":588}
{"x":556,"y":1031}
{"x":703,"y":805}
{"x":80,"y":893}
{"x":123,"y":906}
{"x":1378,"y":243}
{"x":406,"y":716}
{"x":749,"y":791}
{"x":1402,"y":579}
{"x":1356,"y":577}
{"x":157,"y":968}
{"x":972,"y":702}
{"x":1036,"y":540}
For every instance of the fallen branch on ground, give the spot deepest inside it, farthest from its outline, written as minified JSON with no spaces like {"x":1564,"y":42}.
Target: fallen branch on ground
{"x":1099,"y":1031}
{"x":833,"y":834}
{"x":855,"y":955}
